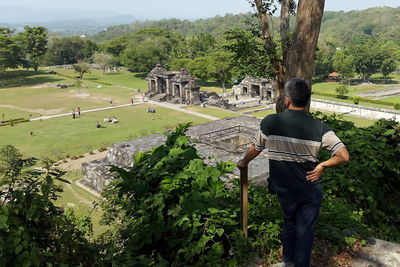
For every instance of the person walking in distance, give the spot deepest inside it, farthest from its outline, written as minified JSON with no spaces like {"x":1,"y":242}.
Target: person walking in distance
{"x":79,"y":111}
{"x":293,"y":139}
{"x":73,"y":114}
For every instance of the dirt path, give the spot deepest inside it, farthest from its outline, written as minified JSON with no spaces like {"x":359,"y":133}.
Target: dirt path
{"x":75,"y":164}
{"x":39,"y":111}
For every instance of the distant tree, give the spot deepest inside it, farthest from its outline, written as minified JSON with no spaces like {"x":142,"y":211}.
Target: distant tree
{"x":324,"y":60}
{"x":148,"y":47}
{"x":179,"y":63}
{"x":367,"y":57}
{"x":200,"y":67}
{"x":115,"y":46}
{"x":388,"y":66}
{"x":248,"y":53}
{"x":200,"y":45}
{"x":34,"y":40}
{"x":220,"y":67}
{"x":69,"y":50}
{"x":103,"y":60}
{"x":81,"y":68}
{"x":343,"y":63}
{"x":11,"y":52}
{"x":294,"y":55}
{"x":342,"y":91}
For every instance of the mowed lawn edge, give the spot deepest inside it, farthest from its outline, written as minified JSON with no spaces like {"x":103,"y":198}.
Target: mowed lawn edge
{"x":64,"y":137}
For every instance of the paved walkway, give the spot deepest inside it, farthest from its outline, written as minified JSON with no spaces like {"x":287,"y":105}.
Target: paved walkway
{"x":180,"y":109}
{"x":83,"y":112}
{"x":161,"y":104}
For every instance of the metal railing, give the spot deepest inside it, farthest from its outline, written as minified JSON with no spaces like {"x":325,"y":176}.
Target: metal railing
{"x":214,"y":138}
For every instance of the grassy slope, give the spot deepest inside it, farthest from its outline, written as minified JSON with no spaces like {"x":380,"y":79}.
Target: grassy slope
{"x":34,"y":92}
{"x":65,"y":135}
{"x":213,"y":111}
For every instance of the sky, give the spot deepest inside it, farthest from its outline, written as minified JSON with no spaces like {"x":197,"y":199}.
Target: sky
{"x":183,"y":9}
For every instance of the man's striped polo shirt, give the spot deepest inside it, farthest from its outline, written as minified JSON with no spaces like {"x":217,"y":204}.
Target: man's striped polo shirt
{"x":293,"y":140}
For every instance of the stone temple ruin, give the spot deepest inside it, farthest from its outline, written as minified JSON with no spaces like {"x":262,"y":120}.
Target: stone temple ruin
{"x":174,"y":86}
{"x":224,"y":140}
{"x":261,"y":88}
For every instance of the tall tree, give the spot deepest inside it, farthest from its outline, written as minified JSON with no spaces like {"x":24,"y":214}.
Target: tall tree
{"x":298,"y":47}
{"x":10,"y":51}
{"x":343,"y":63}
{"x":81,"y":68}
{"x":34,"y":40}
{"x":221,"y":67}
{"x":103,"y":60}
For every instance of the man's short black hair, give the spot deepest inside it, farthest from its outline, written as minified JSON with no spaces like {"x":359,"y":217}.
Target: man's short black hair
{"x":299,"y":92}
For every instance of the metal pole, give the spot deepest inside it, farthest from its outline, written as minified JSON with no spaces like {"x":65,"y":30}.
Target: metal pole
{"x":244,"y":204}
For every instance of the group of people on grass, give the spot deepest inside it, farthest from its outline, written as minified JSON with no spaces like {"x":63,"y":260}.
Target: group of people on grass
{"x":76,"y":113}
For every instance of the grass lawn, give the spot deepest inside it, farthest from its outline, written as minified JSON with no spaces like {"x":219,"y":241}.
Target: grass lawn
{"x":392,"y":99}
{"x":81,"y":201}
{"x":359,"y":122}
{"x":329,"y":88}
{"x":351,"y":102}
{"x":213,"y":111}
{"x":213,"y":86}
{"x":29,"y":92}
{"x":55,"y":138}
{"x":121,"y":78}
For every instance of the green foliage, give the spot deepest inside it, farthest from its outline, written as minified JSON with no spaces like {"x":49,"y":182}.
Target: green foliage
{"x":342,"y":91}
{"x":356,"y":100}
{"x":170,"y":208}
{"x":69,"y":50}
{"x":248,"y":53}
{"x":147,"y":48}
{"x":396,"y":106}
{"x":368,"y":182}
{"x":33,"y":231}
{"x":11,"y":51}
{"x":34,"y":40}
{"x":103,"y":60}
{"x":81,"y":68}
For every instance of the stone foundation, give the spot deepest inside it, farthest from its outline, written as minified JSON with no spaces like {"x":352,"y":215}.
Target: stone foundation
{"x":97,"y":175}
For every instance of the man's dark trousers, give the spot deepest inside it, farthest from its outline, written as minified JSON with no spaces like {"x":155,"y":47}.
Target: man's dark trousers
{"x":300,"y":215}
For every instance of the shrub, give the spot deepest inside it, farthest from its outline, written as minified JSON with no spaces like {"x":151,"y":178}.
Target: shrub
{"x":396,"y":106}
{"x":356,"y":100}
{"x":342,"y":91}
{"x":33,"y":231}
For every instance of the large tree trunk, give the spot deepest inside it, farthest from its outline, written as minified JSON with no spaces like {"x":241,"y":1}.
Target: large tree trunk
{"x":299,"y":50}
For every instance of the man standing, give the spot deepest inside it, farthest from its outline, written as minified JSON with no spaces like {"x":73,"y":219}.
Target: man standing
{"x":293,"y":139}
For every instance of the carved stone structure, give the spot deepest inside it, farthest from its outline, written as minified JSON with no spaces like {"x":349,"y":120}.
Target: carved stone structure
{"x":256,"y":88}
{"x":215,"y":141}
{"x":176,"y":86}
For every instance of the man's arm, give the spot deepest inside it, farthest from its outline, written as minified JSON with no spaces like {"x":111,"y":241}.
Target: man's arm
{"x":341,"y":156}
{"x":250,"y":155}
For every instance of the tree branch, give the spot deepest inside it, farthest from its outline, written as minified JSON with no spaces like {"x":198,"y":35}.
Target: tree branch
{"x":284,"y":28}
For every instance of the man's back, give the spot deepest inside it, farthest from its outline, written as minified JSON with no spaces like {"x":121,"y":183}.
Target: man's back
{"x":293,"y":140}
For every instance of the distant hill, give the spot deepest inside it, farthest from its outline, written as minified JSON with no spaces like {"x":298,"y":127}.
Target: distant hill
{"x":65,"y":21}
{"x":75,"y":27}
{"x":337,"y":27}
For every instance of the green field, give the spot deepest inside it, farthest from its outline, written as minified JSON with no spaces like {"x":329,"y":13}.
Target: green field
{"x":35,"y":93}
{"x":213,"y":111}
{"x":81,"y":201}
{"x":359,"y":122}
{"x":58,"y":137}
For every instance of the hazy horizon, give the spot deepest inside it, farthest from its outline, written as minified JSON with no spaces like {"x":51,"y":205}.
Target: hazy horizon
{"x":154,"y":10}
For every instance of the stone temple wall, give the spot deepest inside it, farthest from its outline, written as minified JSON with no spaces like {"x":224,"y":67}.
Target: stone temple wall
{"x":96,"y":174}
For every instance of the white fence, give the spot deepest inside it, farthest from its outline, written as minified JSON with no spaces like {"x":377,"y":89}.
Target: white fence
{"x":355,"y":110}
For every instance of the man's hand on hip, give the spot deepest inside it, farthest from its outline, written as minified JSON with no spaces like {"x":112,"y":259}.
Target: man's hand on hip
{"x":314,"y":175}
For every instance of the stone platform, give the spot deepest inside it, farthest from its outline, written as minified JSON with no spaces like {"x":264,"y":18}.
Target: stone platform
{"x":96,"y":174}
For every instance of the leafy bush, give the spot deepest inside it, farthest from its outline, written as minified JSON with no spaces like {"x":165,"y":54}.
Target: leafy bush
{"x":33,"y":231}
{"x":171,"y":208}
{"x":342,"y":91}
{"x":356,"y":100}
{"x":369,"y":183}
{"x":396,"y":106}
